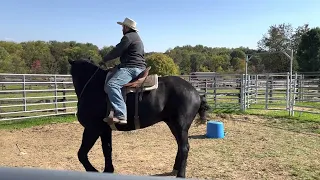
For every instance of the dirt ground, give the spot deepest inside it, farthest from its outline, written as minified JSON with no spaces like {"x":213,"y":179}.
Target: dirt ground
{"x":250,"y":150}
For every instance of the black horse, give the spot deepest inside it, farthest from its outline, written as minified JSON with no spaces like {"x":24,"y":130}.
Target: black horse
{"x":173,"y":101}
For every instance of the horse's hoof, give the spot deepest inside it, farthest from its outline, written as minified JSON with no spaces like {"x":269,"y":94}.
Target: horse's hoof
{"x":174,"y":172}
{"x":109,"y":171}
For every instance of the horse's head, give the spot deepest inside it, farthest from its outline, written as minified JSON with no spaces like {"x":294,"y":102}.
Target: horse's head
{"x":82,"y":67}
{"x":86,"y":72}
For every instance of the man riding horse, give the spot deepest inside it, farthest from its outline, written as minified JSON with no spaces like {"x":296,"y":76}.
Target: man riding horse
{"x":131,"y":53}
{"x":148,"y":100}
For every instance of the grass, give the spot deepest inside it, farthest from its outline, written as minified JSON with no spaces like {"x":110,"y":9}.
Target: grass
{"x":41,"y":98}
{"x":250,"y":150}
{"x":26,"y":123}
{"x":230,"y":104}
{"x":223,"y":104}
{"x":300,"y":122}
{"x":259,"y":110}
{"x":303,"y":123}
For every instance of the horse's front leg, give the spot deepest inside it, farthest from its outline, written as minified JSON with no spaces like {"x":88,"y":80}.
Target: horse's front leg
{"x":89,"y":138}
{"x":106,"y":139}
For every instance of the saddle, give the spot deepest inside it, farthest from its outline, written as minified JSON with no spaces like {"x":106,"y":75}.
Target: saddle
{"x":143,"y":82}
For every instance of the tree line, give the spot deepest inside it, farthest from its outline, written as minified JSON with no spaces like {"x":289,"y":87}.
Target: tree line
{"x":51,"y":57}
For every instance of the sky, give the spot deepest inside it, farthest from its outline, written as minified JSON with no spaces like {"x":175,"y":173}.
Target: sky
{"x":162,"y":24}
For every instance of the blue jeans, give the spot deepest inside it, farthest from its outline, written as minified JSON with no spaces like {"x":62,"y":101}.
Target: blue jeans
{"x":113,"y":88}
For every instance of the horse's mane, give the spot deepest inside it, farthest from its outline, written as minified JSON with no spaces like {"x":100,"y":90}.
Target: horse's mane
{"x":88,"y":67}
{"x":89,"y":63}
{"x":83,"y":69}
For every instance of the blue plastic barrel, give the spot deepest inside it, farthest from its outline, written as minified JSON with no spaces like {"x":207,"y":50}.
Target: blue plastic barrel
{"x":215,"y":129}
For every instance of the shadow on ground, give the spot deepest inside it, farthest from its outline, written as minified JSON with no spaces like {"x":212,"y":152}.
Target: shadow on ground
{"x":201,"y":136}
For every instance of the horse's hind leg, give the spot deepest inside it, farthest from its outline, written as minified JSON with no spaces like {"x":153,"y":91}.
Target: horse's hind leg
{"x":176,"y":165}
{"x":184,"y":150}
{"x":106,"y":139}
{"x":89,"y":138}
{"x":180,"y":132}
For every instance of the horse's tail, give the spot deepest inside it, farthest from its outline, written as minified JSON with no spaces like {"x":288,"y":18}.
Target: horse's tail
{"x":204,"y":107}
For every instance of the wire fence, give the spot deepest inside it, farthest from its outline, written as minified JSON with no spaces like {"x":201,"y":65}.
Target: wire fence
{"x":37,"y":95}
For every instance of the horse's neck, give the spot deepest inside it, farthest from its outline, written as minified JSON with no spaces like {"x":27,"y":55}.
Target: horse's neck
{"x":92,"y":87}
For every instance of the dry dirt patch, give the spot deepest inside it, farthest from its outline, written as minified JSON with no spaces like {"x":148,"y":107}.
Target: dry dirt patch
{"x":249,"y":150}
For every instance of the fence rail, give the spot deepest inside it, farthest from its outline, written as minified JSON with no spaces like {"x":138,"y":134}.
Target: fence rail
{"x":278,"y":92}
{"x":32,"y":95}
{"x":28,"y":95}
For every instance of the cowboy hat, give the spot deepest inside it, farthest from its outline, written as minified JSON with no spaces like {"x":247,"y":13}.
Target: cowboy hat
{"x":130,"y":23}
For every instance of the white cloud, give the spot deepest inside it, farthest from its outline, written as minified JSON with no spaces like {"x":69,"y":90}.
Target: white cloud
{"x":8,"y":39}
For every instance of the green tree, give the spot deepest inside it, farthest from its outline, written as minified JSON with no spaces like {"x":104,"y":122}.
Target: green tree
{"x":185,"y":66}
{"x":5,"y":61}
{"x":60,"y":62}
{"x":18,"y":64}
{"x":34,"y":51}
{"x":296,"y":37}
{"x":196,"y":61}
{"x":219,"y":62}
{"x":181,"y":57}
{"x":12,"y":47}
{"x":162,"y":64}
{"x":238,"y":64}
{"x":15,"y":51}
{"x":308,"y":55}
{"x":255,"y":65}
{"x":278,"y":38}
{"x":281,"y":37}
{"x":238,"y":53}
{"x":237,"y":60}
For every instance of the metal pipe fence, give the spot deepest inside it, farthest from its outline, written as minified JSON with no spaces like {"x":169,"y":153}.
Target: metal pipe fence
{"x":221,"y":90}
{"x":306,"y":93}
{"x":275,"y":92}
{"x":25,"y":96}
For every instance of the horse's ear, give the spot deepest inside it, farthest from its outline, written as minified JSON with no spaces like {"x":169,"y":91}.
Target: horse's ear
{"x":70,"y":61}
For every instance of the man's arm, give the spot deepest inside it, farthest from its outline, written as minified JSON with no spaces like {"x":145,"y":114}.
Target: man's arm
{"x":117,"y":51}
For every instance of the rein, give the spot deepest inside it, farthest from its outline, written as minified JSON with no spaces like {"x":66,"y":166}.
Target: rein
{"x":88,"y":82}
